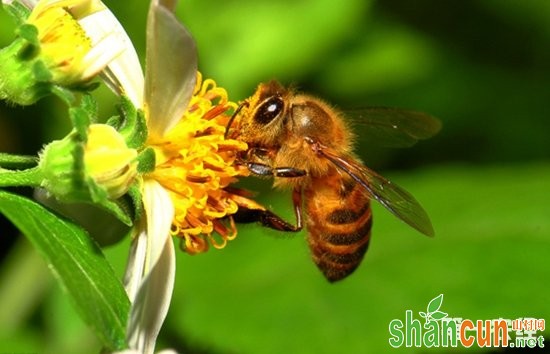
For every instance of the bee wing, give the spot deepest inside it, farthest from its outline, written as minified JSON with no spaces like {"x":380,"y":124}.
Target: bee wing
{"x":393,"y":127}
{"x":394,"y":198}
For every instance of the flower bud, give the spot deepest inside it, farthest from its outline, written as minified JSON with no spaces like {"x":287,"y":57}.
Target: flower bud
{"x":78,"y":171}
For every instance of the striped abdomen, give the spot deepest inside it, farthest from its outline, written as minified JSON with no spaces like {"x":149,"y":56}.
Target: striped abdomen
{"x":339,"y":221}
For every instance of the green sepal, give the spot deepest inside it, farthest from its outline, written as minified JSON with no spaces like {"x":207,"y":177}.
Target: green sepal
{"x":131,"y":124}
{"x":29,"y":33}
{"x":146,"y":160}
{"x":135,"y":195}
{"x":18,"y":74}
{"x":18,"y":12}
{"x":41,"y":72}
{"x":118,"y":207}
{"x":115,"y":122}
{"x":85,"y":86}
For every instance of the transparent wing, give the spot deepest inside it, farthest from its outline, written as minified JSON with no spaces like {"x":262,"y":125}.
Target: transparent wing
{"x":393,"y":127}
{"x":398,"y":201}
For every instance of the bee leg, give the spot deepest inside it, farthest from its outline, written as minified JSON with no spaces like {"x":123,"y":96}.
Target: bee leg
{"x":269,"y":219}
{"x":266,"y":170}
{"x":266,"y":218}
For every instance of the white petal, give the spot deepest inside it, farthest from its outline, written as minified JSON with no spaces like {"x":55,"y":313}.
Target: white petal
{"x":123,"y":74}
{"x":160,"y":213}
{"x":133,"y":351}
{"x":152,"y":302}
{"x":169,"y":4}
{"x":29,"y":4}
{"x":102,"y":54}
{"x":152,"y":261}
{"x":136,"y":264}
{"x":171,"y":69}
{"x":152,"y":235}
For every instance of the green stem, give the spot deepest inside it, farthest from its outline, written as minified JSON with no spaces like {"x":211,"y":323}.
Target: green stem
{"x":17,"y":161}
{"x":30,"y":177}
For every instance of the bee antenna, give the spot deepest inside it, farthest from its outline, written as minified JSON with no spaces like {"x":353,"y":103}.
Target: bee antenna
{"x":233,"y":116}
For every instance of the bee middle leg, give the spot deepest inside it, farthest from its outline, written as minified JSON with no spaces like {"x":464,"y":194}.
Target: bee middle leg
{"x":254,"y":161}
{"x":269,"y":219}
{"x":261,"y":169}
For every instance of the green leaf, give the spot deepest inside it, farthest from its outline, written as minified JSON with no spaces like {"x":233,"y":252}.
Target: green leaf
{"x":79,"y":265}
{"x":437,"y":315}
{"x":435,"y":304}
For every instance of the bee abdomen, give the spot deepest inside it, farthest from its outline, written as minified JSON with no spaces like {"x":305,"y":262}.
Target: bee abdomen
{"x":339,"y":239}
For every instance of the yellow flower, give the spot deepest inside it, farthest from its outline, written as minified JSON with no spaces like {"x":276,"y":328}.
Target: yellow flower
{"x":186,"y":119}
{"x":66,"y":43}
{"x":72,"y":46}
{"x":194,"y":164}
{"x":185,"y":194}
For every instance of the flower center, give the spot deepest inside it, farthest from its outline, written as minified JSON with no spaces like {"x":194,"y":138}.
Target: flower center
{"x":195,"y":163}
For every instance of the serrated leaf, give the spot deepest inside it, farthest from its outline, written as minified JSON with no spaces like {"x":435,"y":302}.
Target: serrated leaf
{"x":437,"y":315}
{"x":79,"y":265}
{"x":435,"y":303}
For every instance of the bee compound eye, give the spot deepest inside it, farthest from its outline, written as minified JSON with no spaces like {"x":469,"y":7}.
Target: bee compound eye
{"x":269,"y":110}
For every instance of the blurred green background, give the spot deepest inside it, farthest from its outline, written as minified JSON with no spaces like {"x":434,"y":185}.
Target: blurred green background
{"x":482,"y":67}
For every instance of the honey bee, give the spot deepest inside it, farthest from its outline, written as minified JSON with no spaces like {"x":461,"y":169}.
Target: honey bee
{"x":307,"y":146}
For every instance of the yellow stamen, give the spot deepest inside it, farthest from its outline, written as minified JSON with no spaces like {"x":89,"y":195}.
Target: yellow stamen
{"x":195,"y":163}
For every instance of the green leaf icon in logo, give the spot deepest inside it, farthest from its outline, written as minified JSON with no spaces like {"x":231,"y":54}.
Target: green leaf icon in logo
{"x":433,"y":312}
{"x":438,"y":315}
{"x":435,"y":303}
